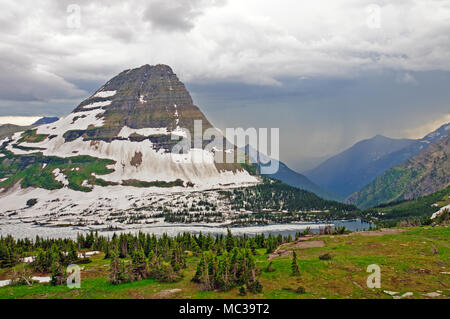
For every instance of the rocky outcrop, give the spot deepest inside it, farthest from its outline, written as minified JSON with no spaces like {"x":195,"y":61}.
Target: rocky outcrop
{"x":146,"y":97}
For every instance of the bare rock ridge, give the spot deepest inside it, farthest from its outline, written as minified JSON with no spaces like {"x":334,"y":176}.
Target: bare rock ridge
{"x":145,"y":97}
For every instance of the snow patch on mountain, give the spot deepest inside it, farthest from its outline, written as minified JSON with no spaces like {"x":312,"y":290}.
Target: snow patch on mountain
{"x":104,"y":205}
{"x":125,"y":132}
{"x":74,"y":121}
{"x":196,"y":166}
{"x":105,"y":94}
{"x":142,"y":99}
{"x":440,"y":211}
{"x":96,"y":105}
{"x":60,"y":177}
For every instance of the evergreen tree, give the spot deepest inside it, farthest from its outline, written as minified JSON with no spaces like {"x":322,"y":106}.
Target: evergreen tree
{"x":294,"y":265}
{"x":117,"y":272}
{"x":58,"y":274}
{"x":107,"y":251}
{"x":72,"y":255}
{"x":229,"y":241}
{"x":139,"y":265}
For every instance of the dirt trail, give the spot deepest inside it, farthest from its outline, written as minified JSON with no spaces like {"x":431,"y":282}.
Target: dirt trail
{"x":380,"y":232}
{"x":301,"y":243}
{"x":166,"y":293}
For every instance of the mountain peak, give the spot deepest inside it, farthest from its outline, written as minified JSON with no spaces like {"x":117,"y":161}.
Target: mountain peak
{"x":436,"y":135}
{"x":130,"y":122}
{"x":150,"y":96}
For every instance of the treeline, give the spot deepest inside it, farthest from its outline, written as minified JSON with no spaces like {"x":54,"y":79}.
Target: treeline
{"x":403,"y":213}
{"x":277,"y":196}
{"x":225,"y":261}
{"x":187,"y":218}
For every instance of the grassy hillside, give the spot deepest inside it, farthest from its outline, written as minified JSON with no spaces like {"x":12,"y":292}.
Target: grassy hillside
{"x":412,"y":260}
{"x":36,"y":170}
{"x":421,"y":175}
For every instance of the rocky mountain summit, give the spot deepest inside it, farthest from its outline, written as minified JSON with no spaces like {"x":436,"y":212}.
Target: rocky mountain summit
{"x":142,"y":98}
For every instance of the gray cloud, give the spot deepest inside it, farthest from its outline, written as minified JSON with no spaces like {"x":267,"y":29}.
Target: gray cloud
{"x":302,"y":66}
{"x":177,"y":15}
{"x":22,"y":79}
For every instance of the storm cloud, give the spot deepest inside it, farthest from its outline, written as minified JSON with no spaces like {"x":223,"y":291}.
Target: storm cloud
{"x":339,"y":64}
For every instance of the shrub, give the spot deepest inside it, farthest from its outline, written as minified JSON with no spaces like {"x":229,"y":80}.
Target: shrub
{"x":254,"y":287}
{"x":31,"y":202}
{"x":21,"y":278}
{"x":326,"y":256}
{"x":300,"y":290}
{"x":163,"y":272}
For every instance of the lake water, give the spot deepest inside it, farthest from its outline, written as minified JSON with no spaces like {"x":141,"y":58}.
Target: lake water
{"x":23,"y":230}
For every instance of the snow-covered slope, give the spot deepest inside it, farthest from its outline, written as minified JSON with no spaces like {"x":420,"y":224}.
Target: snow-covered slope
{"x":122,"y":136}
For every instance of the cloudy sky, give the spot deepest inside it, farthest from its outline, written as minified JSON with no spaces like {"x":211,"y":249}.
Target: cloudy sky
{"x":327,"y":73}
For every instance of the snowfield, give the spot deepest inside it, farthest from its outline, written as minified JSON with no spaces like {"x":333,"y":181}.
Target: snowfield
{"x":134,"y":160}
{"x":111,"y":205}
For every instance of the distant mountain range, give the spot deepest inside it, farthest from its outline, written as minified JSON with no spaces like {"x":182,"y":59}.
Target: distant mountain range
{"x":8,"y":129}
{"x":351,"y":170}
{"x":45,"y":120}
{"x":291,"y":177}
{"x":423,"y":174}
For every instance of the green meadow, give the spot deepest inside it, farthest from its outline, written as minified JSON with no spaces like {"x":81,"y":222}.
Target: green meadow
{"x":415,"y":260}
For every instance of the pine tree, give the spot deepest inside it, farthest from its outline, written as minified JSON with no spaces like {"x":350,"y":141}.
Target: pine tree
{"x":123,"y":245}
{"x":194,"y":246}
{"x":199,"y":272}
{"x":229,"y":241}
{"x":294,"y":265}
{"x":107,"y":251}
{"x":114,"y":270}
{"x":72,"y":256}
{"x":139,"y":265}
{"x":174,"y":260}
{"x":57,"y":277}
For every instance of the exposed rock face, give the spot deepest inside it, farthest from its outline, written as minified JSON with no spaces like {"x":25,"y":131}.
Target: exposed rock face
{"x":146,"y":97}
